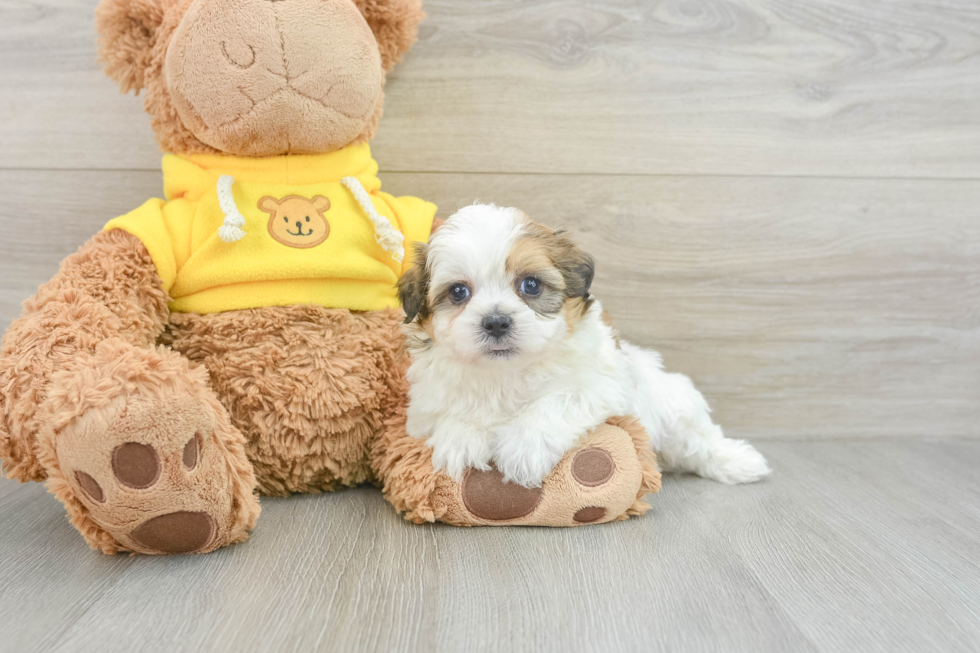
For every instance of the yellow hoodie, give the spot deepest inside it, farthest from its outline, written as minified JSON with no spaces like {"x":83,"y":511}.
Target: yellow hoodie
{"x":292,"y":231}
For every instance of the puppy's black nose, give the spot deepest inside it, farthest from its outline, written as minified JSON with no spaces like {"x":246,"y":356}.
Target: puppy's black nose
{"x":497,"y":325}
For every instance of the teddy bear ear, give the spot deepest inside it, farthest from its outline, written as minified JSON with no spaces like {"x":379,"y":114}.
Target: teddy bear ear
{"x":395,"y":25}
{"x":269,"y":204}
{"x":127,"y":31}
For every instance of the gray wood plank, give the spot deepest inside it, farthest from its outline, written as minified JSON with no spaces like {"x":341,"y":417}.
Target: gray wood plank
{"x":49,"y":577}
{"x":329,"y":572}
{"x":827,"y":87}
{"x":342,"y":572}
{"x":801,"y":307}
{"x":869,"y":546}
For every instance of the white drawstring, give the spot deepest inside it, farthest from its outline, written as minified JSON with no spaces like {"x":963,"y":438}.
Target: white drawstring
{"x":390,"y":239}
{"x":231,"y":230}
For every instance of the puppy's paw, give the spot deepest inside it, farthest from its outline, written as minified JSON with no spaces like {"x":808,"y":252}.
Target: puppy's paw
{"x":456,"y":449}
{"x":525,"y":457}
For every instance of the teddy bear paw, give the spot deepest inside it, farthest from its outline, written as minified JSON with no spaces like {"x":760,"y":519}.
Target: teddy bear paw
{"x":602,"y":479}
{"x":154,"y":475}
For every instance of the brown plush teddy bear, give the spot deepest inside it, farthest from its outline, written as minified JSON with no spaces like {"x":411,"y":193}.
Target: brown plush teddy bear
{"x":244,"y":333}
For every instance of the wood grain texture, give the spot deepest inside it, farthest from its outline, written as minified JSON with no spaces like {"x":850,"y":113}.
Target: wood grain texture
{"x":850,"y":546}
{"x":785,"y":87}
{"x":36,"y":612}
{"x":801,"y":307}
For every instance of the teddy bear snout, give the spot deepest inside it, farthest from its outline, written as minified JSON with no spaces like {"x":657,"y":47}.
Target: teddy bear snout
{"x":258,"y":77}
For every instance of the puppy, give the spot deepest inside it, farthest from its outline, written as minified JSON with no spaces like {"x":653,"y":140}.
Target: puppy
{"x":512,"y":360}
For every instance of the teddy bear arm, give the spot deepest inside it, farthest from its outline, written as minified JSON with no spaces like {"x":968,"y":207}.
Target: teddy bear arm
{"x":108,"y":289}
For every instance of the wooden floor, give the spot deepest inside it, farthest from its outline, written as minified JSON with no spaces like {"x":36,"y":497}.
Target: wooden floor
{"x":783,"y":196}
{"x":851,"y":546}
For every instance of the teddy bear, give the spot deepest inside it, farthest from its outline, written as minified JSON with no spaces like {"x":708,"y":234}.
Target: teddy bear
{"x":241,"y":337}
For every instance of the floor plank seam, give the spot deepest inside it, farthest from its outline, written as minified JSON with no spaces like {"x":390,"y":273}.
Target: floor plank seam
{"x":867,"y":439}
{"x":535,"y":173}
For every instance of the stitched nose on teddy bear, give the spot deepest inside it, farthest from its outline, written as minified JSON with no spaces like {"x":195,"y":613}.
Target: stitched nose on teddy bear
{"x":261,"y":78}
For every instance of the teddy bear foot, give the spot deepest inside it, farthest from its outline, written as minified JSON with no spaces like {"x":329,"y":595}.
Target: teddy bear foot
{"x":602,"y":479}
{"x":155,"y":472}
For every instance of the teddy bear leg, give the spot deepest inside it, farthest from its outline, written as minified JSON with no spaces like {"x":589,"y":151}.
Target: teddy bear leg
{"x":144,"y":456}
{"x":308,"y":386}
{"x":603,"y":478}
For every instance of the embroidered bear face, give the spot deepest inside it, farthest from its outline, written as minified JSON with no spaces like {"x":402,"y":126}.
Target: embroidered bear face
{"x":297,"y":221}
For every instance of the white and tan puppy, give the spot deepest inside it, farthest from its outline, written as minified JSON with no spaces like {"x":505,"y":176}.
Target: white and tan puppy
{"x":512,"y":361}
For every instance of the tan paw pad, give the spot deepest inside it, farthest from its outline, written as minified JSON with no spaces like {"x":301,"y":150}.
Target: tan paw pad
{"x":136,"y":465}
{"x":487,"y":496}
{"x":90,"y":486}
{"x":176,"y":532}
{"x":589,"y":515}
{"x":191,"y":451}
{"x":592,"y":467}
{"x":151,"y":474}
{"x":595,"y":482}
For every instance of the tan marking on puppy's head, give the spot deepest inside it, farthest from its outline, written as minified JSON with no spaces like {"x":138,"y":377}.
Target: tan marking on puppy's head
{"x":608,"y":321}
{"x":562,"y":270}
{"x":413,"y":292}
{"x":413,"y":287}
{"x":575,"y":309}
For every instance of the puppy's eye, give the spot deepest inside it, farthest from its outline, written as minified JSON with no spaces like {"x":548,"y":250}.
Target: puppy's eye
{"x":459,"y":293}
{"x":531,"y":286}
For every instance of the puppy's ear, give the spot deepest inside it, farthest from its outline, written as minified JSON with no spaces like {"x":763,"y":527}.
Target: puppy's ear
{"x":576,"y":266}
{"x":127,"y":32}
{"x":413,"y":287}
{"x":395,"y":24}
{"x":436,"y":224}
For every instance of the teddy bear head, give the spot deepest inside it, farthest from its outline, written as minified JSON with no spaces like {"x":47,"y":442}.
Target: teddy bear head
{"x":257,"y":77}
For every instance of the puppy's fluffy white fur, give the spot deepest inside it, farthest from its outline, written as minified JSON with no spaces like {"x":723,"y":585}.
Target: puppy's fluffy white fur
{"x":519,"y":398}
